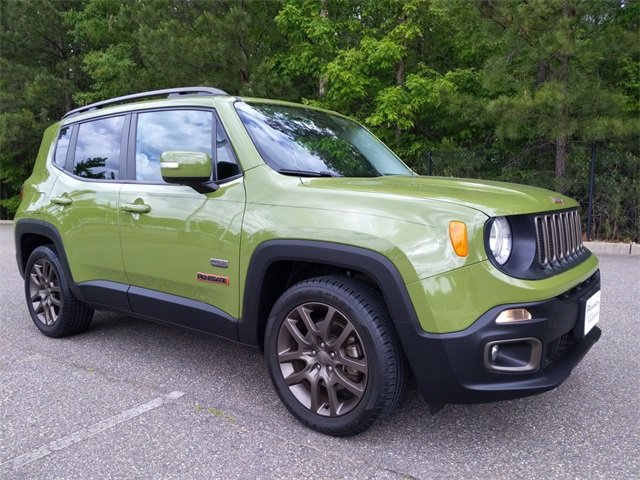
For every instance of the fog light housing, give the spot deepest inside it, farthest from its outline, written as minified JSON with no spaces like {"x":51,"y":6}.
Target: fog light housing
{"x":518,"y":355}
{"x":514,"y":315}
{"x":495,"y":350}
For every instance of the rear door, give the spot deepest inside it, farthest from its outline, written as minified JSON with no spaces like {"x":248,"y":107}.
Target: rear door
{"x":175,"y":240}
{"x":83,"y":204}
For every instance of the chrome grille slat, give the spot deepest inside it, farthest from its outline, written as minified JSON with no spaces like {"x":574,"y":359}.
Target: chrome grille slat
{"x":558,"y":237}
{"x":572,"y":226}
{"x":578,"y":231}
{"x":569,"y":226}
{"x":560,"y":229}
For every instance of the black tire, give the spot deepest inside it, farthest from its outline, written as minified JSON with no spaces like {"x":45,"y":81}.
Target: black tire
{"x":333,"y":355}
{"x":53,"y":307}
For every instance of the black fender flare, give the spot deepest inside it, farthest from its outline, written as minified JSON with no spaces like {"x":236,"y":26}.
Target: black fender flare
{"x":43,"y":229}
{"x":374,"y":264}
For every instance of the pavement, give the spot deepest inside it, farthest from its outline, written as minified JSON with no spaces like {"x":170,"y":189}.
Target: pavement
{"x":131,"y":399}
{"x":613,"y":248}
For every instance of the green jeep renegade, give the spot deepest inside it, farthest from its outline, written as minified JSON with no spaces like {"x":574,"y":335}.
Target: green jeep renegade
{"x":294,"y":229}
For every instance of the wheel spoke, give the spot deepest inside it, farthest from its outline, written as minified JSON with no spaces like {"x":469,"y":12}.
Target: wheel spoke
{"x":357,"y":364}
{"x":314,"y":393}
{"x":292,"y":327}
{"x":334,"y":403}
{"x":325,"y":330}
{"x":35,"y":278}
{"x":298,"y":377}
{"x":348,"y":330}
{"x":288,"y":356}
{"x":40,"y":308}
{"x":353,"y":387}
{"x":34,"y":295}
{"x":47,"y":314}
{"x":55,"y":301}
{"x":46,"y":272}
{"x":308,"y":322}
{"x":38,"y":269}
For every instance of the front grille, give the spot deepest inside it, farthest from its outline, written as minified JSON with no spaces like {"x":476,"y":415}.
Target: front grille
{"x":559,"y":237}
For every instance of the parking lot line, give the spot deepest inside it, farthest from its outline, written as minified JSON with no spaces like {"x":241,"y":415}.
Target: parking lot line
{"x":89,"y":431}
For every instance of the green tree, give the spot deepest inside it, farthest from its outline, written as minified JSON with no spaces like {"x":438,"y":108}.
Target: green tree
{"x":149,"y":44}
{"x":40,"y":73}
{"x":550,"y":75}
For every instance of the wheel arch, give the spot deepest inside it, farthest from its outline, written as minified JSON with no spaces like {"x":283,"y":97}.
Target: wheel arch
{"x":29,"y":235}
{"x":272,"y":269}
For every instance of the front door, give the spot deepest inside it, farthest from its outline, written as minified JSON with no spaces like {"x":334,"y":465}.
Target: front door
{"x":178,"y":244}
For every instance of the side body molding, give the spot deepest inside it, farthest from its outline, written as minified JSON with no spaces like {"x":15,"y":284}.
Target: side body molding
{"x":373,"y":264}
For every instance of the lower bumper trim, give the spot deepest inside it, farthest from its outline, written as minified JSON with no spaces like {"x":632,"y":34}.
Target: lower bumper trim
{"x":451,"y":368}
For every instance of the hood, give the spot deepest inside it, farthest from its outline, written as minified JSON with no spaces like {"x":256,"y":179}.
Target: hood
{"x":489,"y":197}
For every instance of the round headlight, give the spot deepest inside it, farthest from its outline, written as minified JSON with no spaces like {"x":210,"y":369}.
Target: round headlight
{"x":500,"y":240}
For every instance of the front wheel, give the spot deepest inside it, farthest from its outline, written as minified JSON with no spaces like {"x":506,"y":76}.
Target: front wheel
{"x":333,"y":355}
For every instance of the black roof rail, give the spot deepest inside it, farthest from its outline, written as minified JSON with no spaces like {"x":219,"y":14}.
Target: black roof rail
{"x":167,"y":92}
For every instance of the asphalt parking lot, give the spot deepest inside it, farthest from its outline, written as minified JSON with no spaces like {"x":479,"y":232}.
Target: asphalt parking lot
{"x":134,"y":399}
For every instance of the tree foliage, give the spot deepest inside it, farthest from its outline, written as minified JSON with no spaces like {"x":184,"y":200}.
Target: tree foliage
{"x":509,"y":89}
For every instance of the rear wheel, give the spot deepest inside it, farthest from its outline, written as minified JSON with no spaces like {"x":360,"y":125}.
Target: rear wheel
{"x":53,"y":307}
{"x":333,"y":355}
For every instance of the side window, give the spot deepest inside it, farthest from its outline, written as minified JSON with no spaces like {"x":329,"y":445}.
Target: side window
{"x":62,"y":146}
{"x":97,"y":153}
{"x":226,"y":163}
{"x":186,"y":130}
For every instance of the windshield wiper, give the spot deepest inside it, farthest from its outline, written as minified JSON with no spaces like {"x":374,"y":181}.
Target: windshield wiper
{"x":305,"y":173}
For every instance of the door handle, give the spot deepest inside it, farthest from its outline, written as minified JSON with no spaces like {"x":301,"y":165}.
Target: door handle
{"x":61,"y":200}
{"x":135,"y":207}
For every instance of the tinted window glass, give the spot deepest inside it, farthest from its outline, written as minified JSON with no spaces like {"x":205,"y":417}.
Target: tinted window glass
{"x":97,"y":152}
{"x":180,"y":130}
{"x":62,"y":146}
{"x":227,"y":164}
{"x":302,"y":139}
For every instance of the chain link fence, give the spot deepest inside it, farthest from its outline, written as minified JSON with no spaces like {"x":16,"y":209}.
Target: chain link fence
{"x":603,"y":179}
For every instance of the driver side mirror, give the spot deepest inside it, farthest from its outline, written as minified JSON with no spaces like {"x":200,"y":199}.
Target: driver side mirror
{"x":188,"y":168}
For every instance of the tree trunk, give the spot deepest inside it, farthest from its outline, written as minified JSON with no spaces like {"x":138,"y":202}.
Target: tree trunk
{"x":401,"y":75}
{"x":561,"y":156}
{"x":322,"y":83}
{"x":67,"y":95}
{"x":562,"y":138}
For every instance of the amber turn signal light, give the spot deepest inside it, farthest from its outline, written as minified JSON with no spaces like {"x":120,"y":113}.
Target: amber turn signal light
{"x":458,"y":237}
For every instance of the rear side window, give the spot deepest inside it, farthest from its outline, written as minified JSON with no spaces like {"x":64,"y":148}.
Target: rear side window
{"x":97,"y":153}
{"x":179,"y":130}
{"x":62,"y":146}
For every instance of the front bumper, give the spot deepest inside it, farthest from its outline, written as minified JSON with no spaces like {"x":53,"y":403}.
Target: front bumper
{"x":452,"y":367}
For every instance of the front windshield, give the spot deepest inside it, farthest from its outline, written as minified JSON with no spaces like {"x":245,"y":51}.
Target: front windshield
{"x":297,"y":139}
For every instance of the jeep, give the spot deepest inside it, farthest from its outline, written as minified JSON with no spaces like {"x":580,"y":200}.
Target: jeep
{"x":295,"y":230}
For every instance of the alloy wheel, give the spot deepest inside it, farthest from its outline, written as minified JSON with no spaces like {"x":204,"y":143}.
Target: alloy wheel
{"x":44,"y":292}
{"x":322,"y":359}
